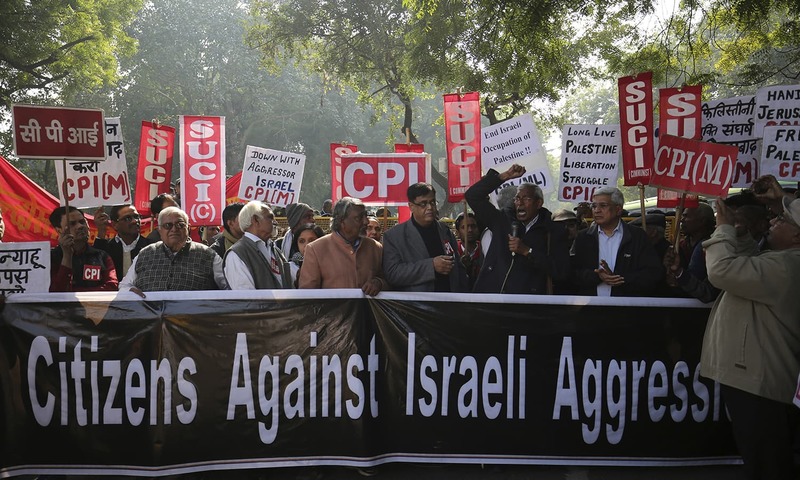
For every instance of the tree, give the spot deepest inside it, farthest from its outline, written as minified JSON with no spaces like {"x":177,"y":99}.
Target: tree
{"x":54,"y":46}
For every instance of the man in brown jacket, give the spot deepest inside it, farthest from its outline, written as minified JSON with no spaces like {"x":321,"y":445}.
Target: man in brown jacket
{"x":345,"y":258}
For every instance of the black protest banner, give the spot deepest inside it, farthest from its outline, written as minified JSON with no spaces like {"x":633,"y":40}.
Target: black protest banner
{"x":179,"y":383}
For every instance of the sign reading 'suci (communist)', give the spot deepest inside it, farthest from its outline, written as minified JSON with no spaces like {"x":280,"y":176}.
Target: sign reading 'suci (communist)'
{"x":202,"y":147}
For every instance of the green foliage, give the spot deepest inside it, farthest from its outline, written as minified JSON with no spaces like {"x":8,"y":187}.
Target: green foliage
{"x":54,"y":46}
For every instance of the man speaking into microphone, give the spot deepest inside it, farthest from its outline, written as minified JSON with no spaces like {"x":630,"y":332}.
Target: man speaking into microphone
{"x":528,"y":253}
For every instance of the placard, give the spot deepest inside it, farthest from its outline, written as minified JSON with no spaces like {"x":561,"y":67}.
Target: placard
{"x":24,"y":267}
{"x":58,"y":133}
{"x":780,"y":155}
{"x":589,"y":158}
{"x":271,"y":176}
{"x":729,"y":121}
{"x":516,"y":140}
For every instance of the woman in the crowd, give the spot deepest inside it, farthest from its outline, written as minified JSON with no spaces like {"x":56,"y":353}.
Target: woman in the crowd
{"x":302,"y":236}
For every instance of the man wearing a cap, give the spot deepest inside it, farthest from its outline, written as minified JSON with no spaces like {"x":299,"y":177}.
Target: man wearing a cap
{"x":296,"y":214}
{"x":752,"y":340}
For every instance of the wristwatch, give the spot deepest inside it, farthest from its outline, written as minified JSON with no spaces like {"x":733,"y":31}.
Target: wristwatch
{"x":530,"y":250}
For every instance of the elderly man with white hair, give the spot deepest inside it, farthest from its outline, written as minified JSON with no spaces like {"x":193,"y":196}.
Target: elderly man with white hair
{"x":176,"y":262}
{"x":254,"y":262}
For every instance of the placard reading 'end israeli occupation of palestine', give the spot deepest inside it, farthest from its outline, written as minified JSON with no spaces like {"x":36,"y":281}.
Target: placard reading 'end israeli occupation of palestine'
{"x":516,"y":140}
{"x":589,"y":158}
{"x":271,"y":176}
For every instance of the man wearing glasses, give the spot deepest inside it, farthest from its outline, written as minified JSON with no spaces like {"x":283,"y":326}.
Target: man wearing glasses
{"x":612,"y":258}
{"x":419,"y":255}
{"x":254,"y":262}
{"x":528,"y":253}
{"x":176,"y":262}
{"x":752,"y":340}
{"x":128,"y":243}
{"x":75,"y":266}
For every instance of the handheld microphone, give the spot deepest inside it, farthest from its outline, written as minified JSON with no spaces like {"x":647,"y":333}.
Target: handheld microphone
{"x":515,"y":226}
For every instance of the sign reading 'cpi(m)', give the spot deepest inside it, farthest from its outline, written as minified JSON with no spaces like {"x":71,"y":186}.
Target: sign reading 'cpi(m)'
{"x":696,"y":167}
{"x":383,"y":179}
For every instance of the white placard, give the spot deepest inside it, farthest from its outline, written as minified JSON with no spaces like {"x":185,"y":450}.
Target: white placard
{"x":730,"y":121}
{"x":780,"y":155}
{"x":92,"y":184}
{"x":516,"y":140}
{"x":776,"y":105}
{"x":24,"y":267}
{"x":589,"y":160}
{"x":271,"y":176}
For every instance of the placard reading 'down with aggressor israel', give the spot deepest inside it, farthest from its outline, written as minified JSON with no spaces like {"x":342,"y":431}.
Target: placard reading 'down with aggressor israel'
{"x":516,"y":140}
{"x":589,"y":158}
{"x":272,"y":176}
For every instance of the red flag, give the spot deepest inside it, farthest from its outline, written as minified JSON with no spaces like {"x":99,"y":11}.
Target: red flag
{"x":156,"y":145}
{"x":409,"y":148}
{"x":671,"y":199}
{"x":337,"y":150}
{"x":680,"y":111}
{"x":636,"y":127}
{"x":686,"y":165}
{"x":27,"y":208}
{"x":202,"y":150}
{"x":462,"y":126}
{"x":232,"y":189}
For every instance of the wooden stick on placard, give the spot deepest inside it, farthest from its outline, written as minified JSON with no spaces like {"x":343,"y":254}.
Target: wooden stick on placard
{"x":678,"y":215}
{"x":465,"y":240}
{"x":641,"y":206}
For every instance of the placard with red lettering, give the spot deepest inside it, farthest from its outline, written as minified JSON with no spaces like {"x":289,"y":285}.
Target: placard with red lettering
{"x":337,"y":150}
{"x":780,"y":155}
{"x":691,"y":166}
{"x":58,"y":133}
{"x":462,"y":127}
{"x":202,"y":154}
{"x":589,"y":157}
{"x":729,"y":121}
{"x":776,"y":105}
{"x":154,"y":171}
{"x":679,"y":113}
{"x":92,"y":184}
{"x":271,"y":176}
{"x":409,"y":148}
{"x":516,"y":140}
{"x":637,"y":138}
{"x":383,"y":178}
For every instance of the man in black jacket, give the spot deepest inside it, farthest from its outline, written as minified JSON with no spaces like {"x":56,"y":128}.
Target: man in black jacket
{"x":528,"y":251}
{"x":126,"y":245}
{"x":612,"y":258}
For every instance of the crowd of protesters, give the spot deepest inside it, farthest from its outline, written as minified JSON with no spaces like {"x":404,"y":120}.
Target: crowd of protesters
{"x":745,"y":258}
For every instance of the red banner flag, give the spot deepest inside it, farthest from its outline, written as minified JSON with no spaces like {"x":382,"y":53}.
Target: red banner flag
{"x":27,"y":208}
{"x":156,"y":145}
{"x":670,"y":199}
{"x":686,"y":165}
{"x":462,"y":126}
{"x":636,"y":127}
{"x":383,"y":178}
{"x":337,"y":150}
{"x":202,"y":150}
{"x":409,"y":148}
{"x":680,"y":111}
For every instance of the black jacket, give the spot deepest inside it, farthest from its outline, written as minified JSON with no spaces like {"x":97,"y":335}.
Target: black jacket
{"x":636,"y":261}
{"x":114,"y":249}
{"x":520,"y":274}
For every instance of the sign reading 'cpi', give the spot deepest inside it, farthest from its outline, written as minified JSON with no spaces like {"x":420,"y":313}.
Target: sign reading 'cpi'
{"x":383,"y":179}
{"x":696,"y":167}
{"x":58,"y":133}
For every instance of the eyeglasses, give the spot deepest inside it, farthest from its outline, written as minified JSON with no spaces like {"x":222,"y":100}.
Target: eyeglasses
{"x":524,"y":199}
{"x":600,"y":206}
{"x":130,"y":218}
{"x":170,"y":226}
{"x":425,"y":204}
